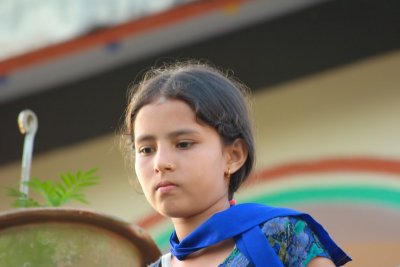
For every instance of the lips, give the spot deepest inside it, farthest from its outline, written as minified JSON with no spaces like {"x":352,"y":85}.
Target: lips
{"x":165,"y":186}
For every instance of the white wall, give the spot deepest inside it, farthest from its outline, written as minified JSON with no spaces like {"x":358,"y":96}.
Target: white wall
{"x":353,"y":110}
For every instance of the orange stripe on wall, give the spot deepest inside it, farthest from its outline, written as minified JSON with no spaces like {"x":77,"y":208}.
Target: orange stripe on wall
{"x":116,"y":33}
{"x":150,"y":220}
{"x":372,"y":165}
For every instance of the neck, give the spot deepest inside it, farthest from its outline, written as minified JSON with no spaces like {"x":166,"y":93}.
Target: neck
{"x":184,"y":226}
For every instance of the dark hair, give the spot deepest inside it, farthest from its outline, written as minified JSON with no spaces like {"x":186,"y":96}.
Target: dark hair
{"x":217,"y":100}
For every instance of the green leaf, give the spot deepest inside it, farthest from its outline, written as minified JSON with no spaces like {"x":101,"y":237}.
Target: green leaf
{"x":21,"y":201}
{"x":74,"y":184}
{"x":47,"y":189}
{"x":25,"y":203}
{"x":81,"y":199}
{"x":13,"y":192}
{"x":69,"y":187}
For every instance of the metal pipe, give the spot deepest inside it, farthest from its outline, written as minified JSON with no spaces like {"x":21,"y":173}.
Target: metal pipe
{"x":28,"y":125}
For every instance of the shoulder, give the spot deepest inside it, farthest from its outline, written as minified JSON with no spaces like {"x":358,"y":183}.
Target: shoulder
{"x":293,"y":240}
{"x":285,"y":225}
{"x":155,"y":264}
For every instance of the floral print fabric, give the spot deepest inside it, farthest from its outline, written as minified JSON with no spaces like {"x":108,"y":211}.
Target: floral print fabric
{"x":291,"y":238}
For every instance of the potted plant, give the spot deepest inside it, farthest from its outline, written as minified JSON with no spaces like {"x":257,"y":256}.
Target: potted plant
{"x":45,"y":234}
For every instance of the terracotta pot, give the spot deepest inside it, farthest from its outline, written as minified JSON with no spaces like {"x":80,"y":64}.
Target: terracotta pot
{"x":60,"y":237}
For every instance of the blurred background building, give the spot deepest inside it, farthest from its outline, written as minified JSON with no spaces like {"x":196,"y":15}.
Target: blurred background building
{"x":325,"y":76}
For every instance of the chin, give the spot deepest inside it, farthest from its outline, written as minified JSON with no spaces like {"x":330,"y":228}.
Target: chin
{"x":173,"y":211}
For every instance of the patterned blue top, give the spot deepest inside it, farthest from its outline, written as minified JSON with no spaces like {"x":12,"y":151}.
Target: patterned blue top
{"x":291,"y":238}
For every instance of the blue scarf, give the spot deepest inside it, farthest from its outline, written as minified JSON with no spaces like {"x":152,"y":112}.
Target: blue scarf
{"x":241,"y":222}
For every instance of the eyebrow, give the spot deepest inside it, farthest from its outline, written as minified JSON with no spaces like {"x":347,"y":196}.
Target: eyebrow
{"x":170,"y":135}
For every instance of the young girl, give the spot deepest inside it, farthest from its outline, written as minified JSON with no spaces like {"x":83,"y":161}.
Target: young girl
{"x":193,"y":147}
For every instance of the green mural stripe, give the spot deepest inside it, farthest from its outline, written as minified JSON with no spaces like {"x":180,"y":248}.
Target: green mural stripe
{"x":349,"y":194}
{"x":162,"y":240}
{"x":354,"y":194}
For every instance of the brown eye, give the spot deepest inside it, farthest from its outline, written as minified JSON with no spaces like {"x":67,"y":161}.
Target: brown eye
{"x":146,"y":150}
{"x":184,"y":144}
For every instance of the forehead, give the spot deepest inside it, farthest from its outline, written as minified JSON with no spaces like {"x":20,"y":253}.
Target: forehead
{"x":162,"y":105}
{"x":164,"y":115}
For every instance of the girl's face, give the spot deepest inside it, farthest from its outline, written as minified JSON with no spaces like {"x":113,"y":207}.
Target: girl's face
{"x":180,"y":163}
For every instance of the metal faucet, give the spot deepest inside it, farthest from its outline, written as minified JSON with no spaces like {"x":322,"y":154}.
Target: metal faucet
{"x":28,"y":125}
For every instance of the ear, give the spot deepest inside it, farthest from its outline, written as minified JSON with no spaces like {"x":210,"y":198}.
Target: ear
{"x":236,"y":155}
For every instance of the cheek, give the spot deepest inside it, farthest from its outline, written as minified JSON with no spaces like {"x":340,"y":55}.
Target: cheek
{"x":212,"y":166}
{"x":141,"y":173}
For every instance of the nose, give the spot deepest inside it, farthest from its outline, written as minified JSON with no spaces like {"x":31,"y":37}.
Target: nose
{"x":163,"y":161}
